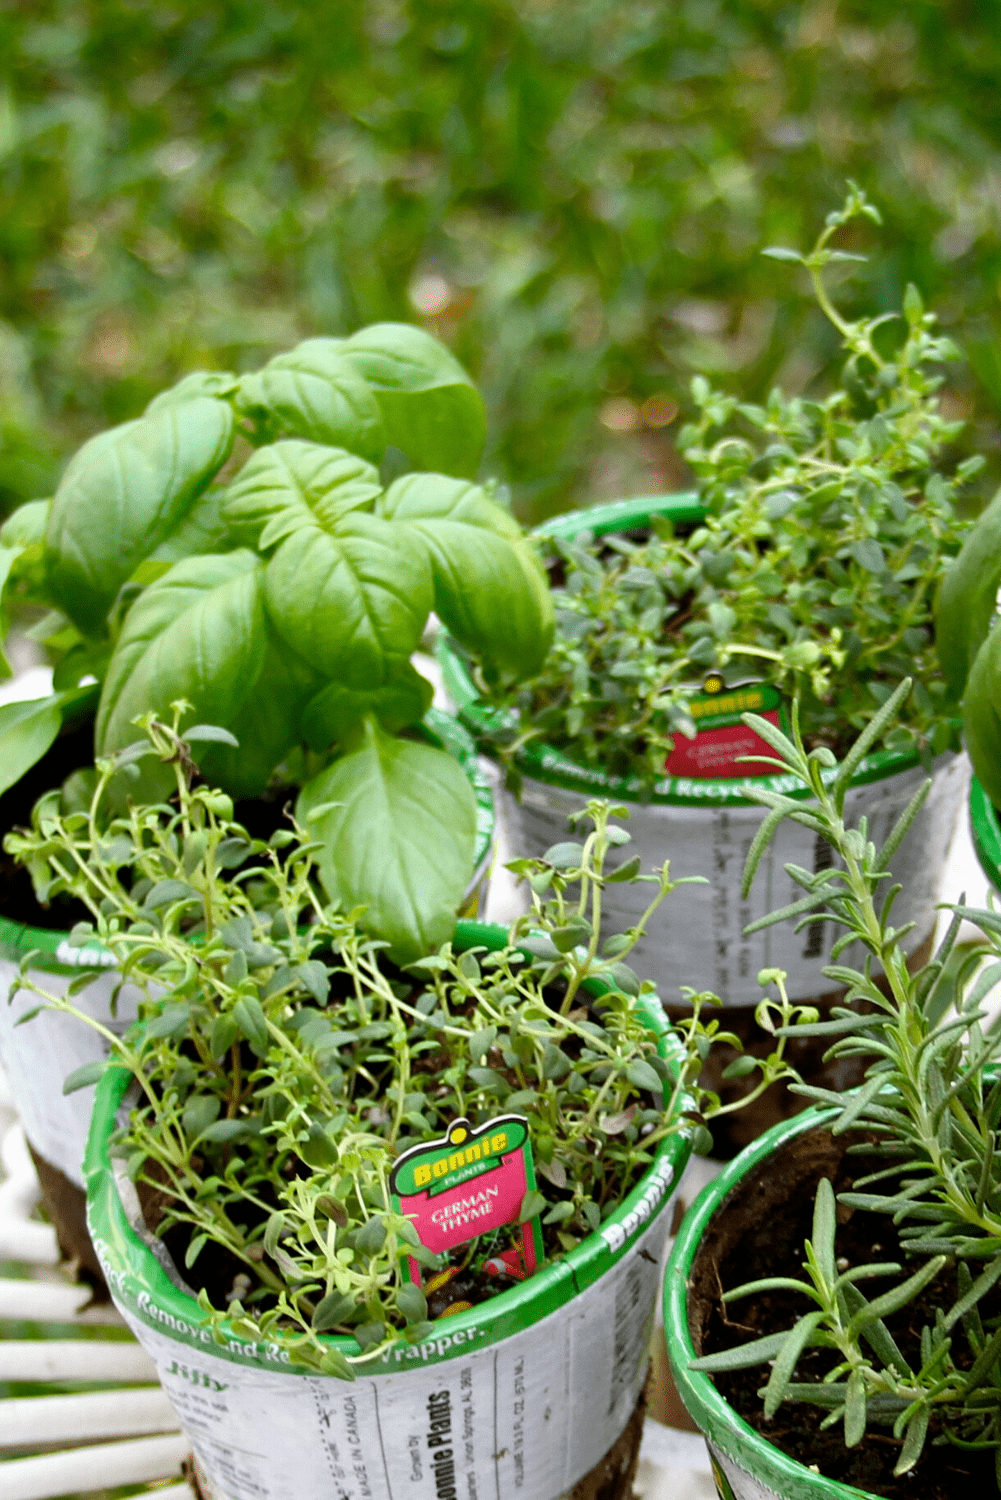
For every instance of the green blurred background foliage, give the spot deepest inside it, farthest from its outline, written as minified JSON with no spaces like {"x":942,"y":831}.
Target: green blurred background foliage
{"x":572,"y":193}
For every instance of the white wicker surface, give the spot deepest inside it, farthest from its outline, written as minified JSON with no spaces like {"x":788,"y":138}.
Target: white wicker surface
{"x":63,"y":1441}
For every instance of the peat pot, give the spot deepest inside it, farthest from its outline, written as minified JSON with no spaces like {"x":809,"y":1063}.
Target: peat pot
{"x":745,"y":1225}
{"x":705,"y":827}
{"x":40,"y":1054}
{"x":539,"y":1386}
{"x":985,"y":828}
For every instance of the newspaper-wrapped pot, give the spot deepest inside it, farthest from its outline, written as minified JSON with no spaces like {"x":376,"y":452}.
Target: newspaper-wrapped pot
{"x":522,"y":1395}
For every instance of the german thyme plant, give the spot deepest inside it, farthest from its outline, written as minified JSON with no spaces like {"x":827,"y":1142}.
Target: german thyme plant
{"x":281,"y":1063}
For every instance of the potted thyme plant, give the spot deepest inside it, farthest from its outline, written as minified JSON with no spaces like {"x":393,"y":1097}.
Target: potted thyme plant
{"x":238,"y":547}
{"x":805,"y":563}
{"x":303,"y":1156}
{"x":854,"y":1347}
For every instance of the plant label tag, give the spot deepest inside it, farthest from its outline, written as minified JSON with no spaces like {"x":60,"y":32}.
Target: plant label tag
{"x":472,"y":1180}
{"x":721,"y":738}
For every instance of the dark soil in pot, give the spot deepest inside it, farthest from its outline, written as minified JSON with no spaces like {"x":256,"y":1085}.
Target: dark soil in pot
{"x":760,"y":1232}
{"x":73,"y":751}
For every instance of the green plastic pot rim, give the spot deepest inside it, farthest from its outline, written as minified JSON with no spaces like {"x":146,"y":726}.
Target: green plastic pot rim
{"x":718,"y":1422}
{"x":57,"y":955}
{"x":543,"y":762}
{"x":986,"y":832}
{"x":541,"y":1294}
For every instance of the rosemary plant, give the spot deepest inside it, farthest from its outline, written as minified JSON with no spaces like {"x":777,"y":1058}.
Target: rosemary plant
{"x":828,"y":526}
{"x":931,"y":1099}
{"x":281,"y":1063}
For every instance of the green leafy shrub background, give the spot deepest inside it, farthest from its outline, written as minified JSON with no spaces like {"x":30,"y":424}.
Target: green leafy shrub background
{"x":573,"y":195}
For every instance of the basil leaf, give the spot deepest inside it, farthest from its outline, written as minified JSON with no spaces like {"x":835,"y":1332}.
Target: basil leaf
{"x":352,"y":601}
{"x":430,"y":407}
{"x":204,"y":529}
{"x":22,"y":532}
{"x":402,"y":702}
{"x":268,"y":724}
{"x":489,"y":589}
{"x":400,"y":841}
{"x":982,"y":715}
{"x":967,"y":598}
{"x":27,"y":730}
{"x":27,"y":525}
{"x":122,"y":493}
{"x":197,"y":633}
{"x":291,"y":484}
{"x":199,"y":383}
{"x":315,"y":393}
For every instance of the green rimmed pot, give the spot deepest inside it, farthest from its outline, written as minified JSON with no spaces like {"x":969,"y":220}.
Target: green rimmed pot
{"x":38,"y":1056}
{"x":744,"y":1225}
{"x":985,"y":828}
{"x":705,"y":827}
{"x":535,"y":1393}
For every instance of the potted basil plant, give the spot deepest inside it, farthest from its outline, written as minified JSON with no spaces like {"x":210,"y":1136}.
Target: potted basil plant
{"x":255,"y":1187}
{"x":238,"y":547}
{"x":832,"y":1302}
{"x":970,"y":649}
{"x":805,"y":563}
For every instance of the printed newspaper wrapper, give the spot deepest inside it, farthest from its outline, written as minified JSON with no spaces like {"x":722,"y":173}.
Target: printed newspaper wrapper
{"x":38,"y":1055}
{"x":521,"y":1395}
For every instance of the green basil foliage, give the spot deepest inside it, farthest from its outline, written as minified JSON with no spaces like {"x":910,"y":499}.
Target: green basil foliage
{"x":282,"y":1065}
{"x":932,"y":1101}
{"x":237,"y":547}
{"x":828,"y":526}
{"x":965,"y":614}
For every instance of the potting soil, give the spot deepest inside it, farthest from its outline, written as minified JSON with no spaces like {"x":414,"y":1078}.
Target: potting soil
{"x":759,"y":1233}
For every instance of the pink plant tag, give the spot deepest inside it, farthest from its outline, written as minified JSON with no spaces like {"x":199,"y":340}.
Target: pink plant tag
{"x":722,"y":739}
{"x":472,"y":1180}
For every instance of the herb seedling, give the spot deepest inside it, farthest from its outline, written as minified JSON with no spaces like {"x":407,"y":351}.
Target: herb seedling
{"x":828,"y":526}
{"x":281,"y":1064}
{"x":932,"y":1099}
{"x":237,"y":546}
